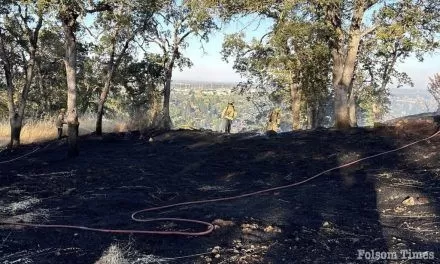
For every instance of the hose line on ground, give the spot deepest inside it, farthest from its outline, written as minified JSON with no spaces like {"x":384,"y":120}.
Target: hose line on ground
{"x":209,"y":226}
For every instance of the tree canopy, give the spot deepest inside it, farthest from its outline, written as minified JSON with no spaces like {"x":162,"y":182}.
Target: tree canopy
{"x":325,"y":61}
{"x":359,"y":42}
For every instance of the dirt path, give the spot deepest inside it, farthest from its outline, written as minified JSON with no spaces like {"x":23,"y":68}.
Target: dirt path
{"x":327,"y":220}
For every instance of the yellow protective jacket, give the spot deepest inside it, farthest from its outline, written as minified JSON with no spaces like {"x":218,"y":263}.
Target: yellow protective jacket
{"x":60,"y":120}
{"x":229,"y":112}
{"x":274,"y":120}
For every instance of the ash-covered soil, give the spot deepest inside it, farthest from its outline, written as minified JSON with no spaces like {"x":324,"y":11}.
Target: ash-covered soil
{"x":327,"y":220}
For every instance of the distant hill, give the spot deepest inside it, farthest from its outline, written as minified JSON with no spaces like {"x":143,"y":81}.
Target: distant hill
{"x":400,"y":91}
{"x":406,"y":102}
{"x":199,"y":104}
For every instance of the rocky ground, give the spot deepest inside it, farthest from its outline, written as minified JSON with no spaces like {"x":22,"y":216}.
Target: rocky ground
{"x":386,"y":204}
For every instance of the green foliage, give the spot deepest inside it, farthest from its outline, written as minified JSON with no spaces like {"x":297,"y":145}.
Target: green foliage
{"x":137,"y":83}
{"x":404,"y":28}
{"x":389,"y":34}
{"x":203,"y":108}
{"x":227,"y":9}
{"x":20,"y":25}
{"x":173,"y":24}
{"x":294,"y":52}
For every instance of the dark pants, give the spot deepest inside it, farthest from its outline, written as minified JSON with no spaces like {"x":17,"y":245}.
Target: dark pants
{"x":60,"y":132}
{"x":228,"y":123}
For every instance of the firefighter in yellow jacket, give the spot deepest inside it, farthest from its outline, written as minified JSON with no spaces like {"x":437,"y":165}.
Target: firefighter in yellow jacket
{"x":274,"y":120}
{"x":228,"y":115}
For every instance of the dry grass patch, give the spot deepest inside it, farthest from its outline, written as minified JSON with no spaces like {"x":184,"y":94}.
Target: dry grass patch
{"x":118,"y":254}
{"x":44,"y":130}
{"x":113,"y":255}
{"x":32,"y":131}
{"x":121,"y":127}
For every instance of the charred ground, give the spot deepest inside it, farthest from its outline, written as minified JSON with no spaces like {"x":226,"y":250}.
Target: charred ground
{"x":326,"y":220}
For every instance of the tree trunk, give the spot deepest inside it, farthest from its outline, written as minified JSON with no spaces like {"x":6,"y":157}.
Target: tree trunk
{"x":101,"y":103}
{"x":343,"y":72}
{"x":349,"y":74}
{"x":165,"y":118}
{"x":321,"y":116}
{"x":342,"y":118}
{"x":309,"y":121}
{"x":154,"y":105}
{"x":11,"y":106}
{"x":352,"y":111}
{"x":344,"y":56}
{"x":17,"y":120}
{"x":99,"y":115}
{"x":113,"y":65}
{"x":313,"y":116}
{"x":16,"y":113}
{"x":16,"y":124}
{"x":72,"y":138}
{"x":163,"y":121}
{"x":295,"y":93}
{"x":70,"y":63}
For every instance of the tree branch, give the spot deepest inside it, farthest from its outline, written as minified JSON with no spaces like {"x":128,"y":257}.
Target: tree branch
{"x":184,"y":36}
{"x":36,"y":32}
{"x":370,"y":3}
{"x":99,"y":7}
{"x":369,"y":30}
{"x":124,"y":49}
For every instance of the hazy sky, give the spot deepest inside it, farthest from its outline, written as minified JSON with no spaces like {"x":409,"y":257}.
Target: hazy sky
{"x":211,"y":67}
{"x":208,"y":63}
